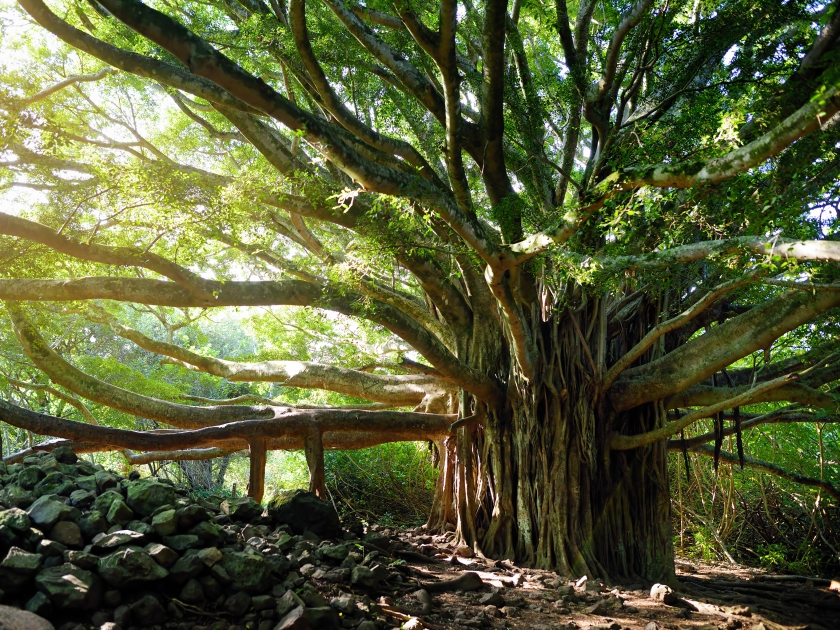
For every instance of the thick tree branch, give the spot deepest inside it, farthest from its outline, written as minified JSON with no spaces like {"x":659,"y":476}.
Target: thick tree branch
{"x":395,"y":390}
{"x":284,"y":423}
{"x":106,"y":254}
{"x":794,"y":392}
{"x":73,"y":379}
{"x":288,"y":292}
{"x":665,"y":327}
{"x":698,"y":359}
{"x":627,"y":442}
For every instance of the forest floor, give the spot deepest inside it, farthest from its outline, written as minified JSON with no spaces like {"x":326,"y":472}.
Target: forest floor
{"x":707,"y":597}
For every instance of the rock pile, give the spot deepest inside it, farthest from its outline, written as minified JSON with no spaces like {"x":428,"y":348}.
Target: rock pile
{"x":84,"y":547}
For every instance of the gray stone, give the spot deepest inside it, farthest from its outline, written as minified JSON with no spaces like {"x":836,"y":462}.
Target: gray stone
{"x":302,"y":510}
{"x":162,"y":554}
{"x":335,"y":552}
{"x":383,"y":542}
{"x":287,"y":602}
{"x":54,"y":483}
{"x":119,"y":513}
{"x":238,"y":604}
{"x":39,"y":604}
{"x":263,"y":602}
{"x":209,"y":556}
{"x":165,"y":523}
{"x":363,"y":577}
{"x":49,"y":464}
{"x":190,"y":516}
{"x":17,"y":619}
{"x":323,"y":618}
{"x":148,"y":611}
{"x":145,"y":496}
{"x":47,"y":511}
{"x":15,"y":519}
{"x":129,"y":566}
{"x":82,"y":499}
{"x":64,"y":455}
{"x":241,"y":509}
{"x":296,"y":619}
{"x":344,"y":603}
{"x":103,"y":502}
{"x":311,"y":597}
{"x":142,"y":528}
{"x":192,"y":593}
{"x":492,"y":599}
{"x":209,"y":533}
{"x":247,"y":572}
{"x":18,"y":567}
{"x":70,"y":587}
{"x":182,"y":542}
{"x":47,"y":548}
{"x":186,"y":568}
{"x":83,"y":560}
{"x":218,"y":572}
{"x":105,"y":480}
{"x":29,"y":477}
{"x":87,"y":483}
{"x":92,"y":524}
{"x":117,"y":539}
{"x":67,"y":533}
{"x":16,"y":496}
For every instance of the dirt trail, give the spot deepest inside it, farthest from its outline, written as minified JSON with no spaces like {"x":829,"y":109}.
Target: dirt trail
{"x":706,"y":598}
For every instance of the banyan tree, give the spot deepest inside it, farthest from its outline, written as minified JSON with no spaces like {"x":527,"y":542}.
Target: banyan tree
{"x":585,"y":226}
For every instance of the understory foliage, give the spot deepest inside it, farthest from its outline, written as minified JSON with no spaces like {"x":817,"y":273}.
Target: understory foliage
{"x":555,"y":242}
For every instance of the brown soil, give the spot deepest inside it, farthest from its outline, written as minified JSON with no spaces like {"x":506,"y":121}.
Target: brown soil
{"x":710,"y":597}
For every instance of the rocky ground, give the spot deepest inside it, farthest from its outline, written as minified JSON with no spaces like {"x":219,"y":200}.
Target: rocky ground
{"x":85,"y":548}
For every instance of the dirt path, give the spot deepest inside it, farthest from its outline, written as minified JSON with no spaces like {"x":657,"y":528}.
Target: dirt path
{"x":706,"y":598}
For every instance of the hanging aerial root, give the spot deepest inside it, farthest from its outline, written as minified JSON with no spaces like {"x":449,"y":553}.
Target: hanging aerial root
{"x":759,"y":464}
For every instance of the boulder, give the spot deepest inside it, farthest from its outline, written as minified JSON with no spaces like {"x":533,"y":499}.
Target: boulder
{"x":296,"y":619}
{"x":92,"y":524}
{"x":186,"y":568}
{"x":145,"y":496}
{"x":165,"y":523}
{"x":182,"y":542}
{"x":247,"y":572}
{"x":18,"y":567}
{"x":121,"y":537}
{"x":82,"y":499}
{"x":47,"y":511}
{"x":15,"y":519}
{"x":103,"y":502}
{"x":192,"y":593}
{"x":105,"y":480}
{"x":17,"y":619}
{"x":64,"y":455}
{"x":241,"y":509}
{"x":238,"y":604}
{"x":162,"y":554}
{"x":70,"y":587}
{"x":209,"y":534}
{"x":148,"y":611}
{"x":29,"y":477}
{"x":119,"y":513}
{"x":191,"y":515}
{"x":302,"y":510}
{"x":54,"y":483}
{"x":16,"y":496}
{"x":87,"y":483}
{"x":130,"y":566}
{"x":67,"y":533}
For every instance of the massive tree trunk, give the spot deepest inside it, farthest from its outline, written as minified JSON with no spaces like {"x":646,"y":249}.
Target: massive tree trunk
{"x":534,"y":479}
